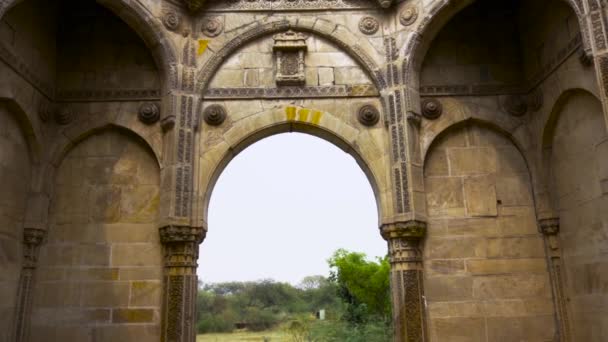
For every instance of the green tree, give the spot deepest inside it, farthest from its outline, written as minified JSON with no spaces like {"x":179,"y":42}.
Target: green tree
{"x":364,"y":285}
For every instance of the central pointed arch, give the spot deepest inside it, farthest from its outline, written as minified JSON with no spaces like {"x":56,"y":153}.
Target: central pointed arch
{"x":218,"y":148}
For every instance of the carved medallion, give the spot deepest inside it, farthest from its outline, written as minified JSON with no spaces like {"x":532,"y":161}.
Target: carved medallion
{"x":212,"y":27}
{"x":214,"y":115}
{"x":408,"y":16}
{"x":149,"y":113}
{"x":431,"y":109}
{"x":368,"y":115}
{"x":369,"y":25}
{"x":171,"y":20}
{"x":515,"y":105}
{"x":64,"y":115}
{"x":45,"y":111}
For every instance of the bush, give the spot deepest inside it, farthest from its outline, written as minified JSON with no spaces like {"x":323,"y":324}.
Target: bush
{"x":260,"y":320}
{"x":215,"y":324}
{"x":338,"y":331}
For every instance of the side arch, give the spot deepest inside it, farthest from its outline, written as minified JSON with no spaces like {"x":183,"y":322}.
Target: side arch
{"x":457,"y":113}
{"x":46,"y":177}
{"x":144,"y":23}
{"x":335,"y":33}
{"x":440,"y":14}
{"x":558,"y":104}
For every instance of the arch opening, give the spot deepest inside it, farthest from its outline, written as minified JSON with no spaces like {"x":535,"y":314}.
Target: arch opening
{"x":285,"y":187}
{"x":217,"y":169}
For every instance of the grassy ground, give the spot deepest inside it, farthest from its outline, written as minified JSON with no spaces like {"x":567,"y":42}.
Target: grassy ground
{"x":244,"y":336}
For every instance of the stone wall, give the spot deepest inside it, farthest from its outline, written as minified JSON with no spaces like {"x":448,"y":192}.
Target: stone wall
{"x":578,"y":162}
{"x":486,"y":274}
{"x":253,"y":66}
{"x":100,"y":271}
{"x":15,"y":173}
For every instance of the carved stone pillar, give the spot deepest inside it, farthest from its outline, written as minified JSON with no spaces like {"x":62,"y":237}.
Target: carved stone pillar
{"x":32,"y":239}
{"x":181,"y":254}
{"x":407,"y":290}
{"x":550,"y":229}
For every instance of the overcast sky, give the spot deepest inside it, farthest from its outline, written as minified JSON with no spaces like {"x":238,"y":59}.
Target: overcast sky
{"x":282,"y":207}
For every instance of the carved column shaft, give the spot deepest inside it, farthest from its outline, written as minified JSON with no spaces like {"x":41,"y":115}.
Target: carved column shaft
{"x":550,"y":230}
{"x":407,"y":290}
{"x":179,"y":299}
{"x":32,"y":239}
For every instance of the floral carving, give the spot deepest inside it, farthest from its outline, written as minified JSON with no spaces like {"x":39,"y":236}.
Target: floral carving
{"x":515,"y":105}
{"x":149,"y":113}
{"x":408,"y":16}
{"x":368,"y":115}
{"x":369,"y":25}
{"x":171,"y":20}
{"x":214,"y":115}
{"x":64,"y":115}
{"x":212,"y":27}
{"x":431,"y":109}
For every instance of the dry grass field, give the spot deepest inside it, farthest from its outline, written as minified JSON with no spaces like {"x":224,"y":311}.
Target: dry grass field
{"x":245,"y":336}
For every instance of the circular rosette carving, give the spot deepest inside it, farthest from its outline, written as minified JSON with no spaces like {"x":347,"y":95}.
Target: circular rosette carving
{"x":535,"y":100}
{"x":212,"y":27}
{"x":408,"y":16}
{"x":214,"y":115}
{"x":515,"y":105}
{"x":64,"y":115}
{"x":431,"y":109}
{"x":171,"y":20}
{"x":45,"y":111}
{"x":368,"y":115}
{"x":149,"y":113}
{"x":369,"y":25}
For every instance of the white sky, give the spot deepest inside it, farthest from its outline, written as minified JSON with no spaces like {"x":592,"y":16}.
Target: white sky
{"x":282,"y":207}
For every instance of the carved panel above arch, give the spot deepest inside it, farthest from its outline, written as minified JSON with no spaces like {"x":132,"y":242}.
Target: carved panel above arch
{"x":280,"y":5}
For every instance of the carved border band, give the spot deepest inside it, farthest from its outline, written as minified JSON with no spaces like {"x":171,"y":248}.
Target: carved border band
{"x":360,"y":90}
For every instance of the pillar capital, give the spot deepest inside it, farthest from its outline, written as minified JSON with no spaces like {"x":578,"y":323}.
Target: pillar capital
{"x":411,"y":230}
{"x":176,"y":234}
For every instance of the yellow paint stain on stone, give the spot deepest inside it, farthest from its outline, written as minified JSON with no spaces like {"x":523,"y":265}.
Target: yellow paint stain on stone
{"x":303,"y":114}
{"x":202,"y":46}
{"x":290,"y":112}
{"x":316,"y":117}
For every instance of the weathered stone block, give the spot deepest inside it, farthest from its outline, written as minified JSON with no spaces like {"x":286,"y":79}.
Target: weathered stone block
{"x":511,"y":286}
{"x":132,"y":315}
{"x":106,"y":294}
{"x":518,"y":247}
{"x":480,"y":196}
{"x":471,"y":161}
{"x":145,"y":293}
{"x":506,"y":266}
{"x":448,"y":288}
{"x":444,"y":195}
{"x":136,"y":255}
{"x":459,"y":329}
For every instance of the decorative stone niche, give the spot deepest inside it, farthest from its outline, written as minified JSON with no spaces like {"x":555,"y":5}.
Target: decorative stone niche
{"x":289,"y":49}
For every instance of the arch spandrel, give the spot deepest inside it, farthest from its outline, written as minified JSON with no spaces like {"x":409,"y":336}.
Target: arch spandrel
{"x":218,"y":145}
{"x":358,"y":49}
